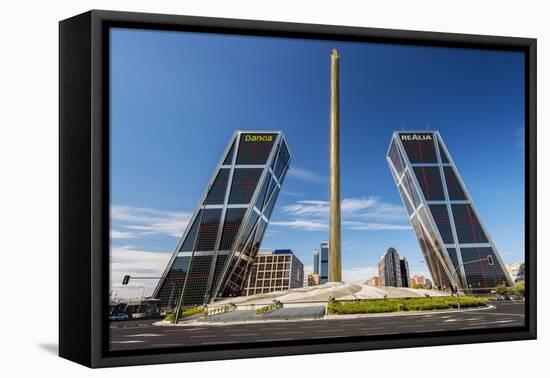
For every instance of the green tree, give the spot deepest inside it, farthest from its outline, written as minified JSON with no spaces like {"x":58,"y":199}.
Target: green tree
{"x":519,"y":288}
{"x":502,"y":290}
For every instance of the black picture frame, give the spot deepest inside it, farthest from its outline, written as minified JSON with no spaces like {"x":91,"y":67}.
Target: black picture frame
{"x":84,"y":186}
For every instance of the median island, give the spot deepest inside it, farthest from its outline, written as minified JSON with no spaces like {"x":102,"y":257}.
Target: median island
{"x":373,"y":306}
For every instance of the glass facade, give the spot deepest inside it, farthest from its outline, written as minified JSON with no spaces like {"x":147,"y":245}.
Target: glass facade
{"x":217,"y":250}
{"x":323,"y":263}
{"x":275,"y":271}
{"x":455,"y":244}
{"x":389,"y":269}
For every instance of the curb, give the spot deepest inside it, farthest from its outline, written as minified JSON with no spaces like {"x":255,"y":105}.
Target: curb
{"x":194,"y":323}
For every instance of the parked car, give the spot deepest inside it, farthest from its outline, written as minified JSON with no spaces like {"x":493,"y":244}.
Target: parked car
{"x":500,"y":297}
{"x":119,"y":316}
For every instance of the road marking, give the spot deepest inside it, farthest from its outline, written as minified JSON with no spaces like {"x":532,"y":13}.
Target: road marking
{"x":368,"y":329}
{"x":449,"y":320}
{"x":319,"y":326}
{"x":502,"y":313}
{"x":127,"y":342}
{"x":126,"y":328}
{"x":287,"y":333}
{"x":144,"y":335}
{"x":479,"y":327}
{"x":411,"y":325}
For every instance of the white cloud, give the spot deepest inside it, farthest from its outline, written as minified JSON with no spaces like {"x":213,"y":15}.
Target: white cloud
{"x":145,"y":221}
{"x":357,"y":214}
{"x":305,"y":175}
{"x":359,"y":274}
{"x":127,"y":260}
{"x":302,"y":224}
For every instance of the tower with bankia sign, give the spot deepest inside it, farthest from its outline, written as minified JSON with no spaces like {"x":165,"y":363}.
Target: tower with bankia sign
{"x":216,"y":251}
{"x":456,"y":245}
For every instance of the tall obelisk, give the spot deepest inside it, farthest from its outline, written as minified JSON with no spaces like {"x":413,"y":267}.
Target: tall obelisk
{"x":335,"y":243}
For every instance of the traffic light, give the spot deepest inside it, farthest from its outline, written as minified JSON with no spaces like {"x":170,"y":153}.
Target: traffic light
{"x":125,"y":280}
{"x":490,"y":260}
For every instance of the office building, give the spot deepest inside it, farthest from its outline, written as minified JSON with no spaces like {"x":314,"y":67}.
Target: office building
{"x":516,"y":271}
{"x":323,"y":262}
{"x":216,"y":251}
{"x":316,"y":261}
{"x":275,"y":271}
{"x":373,"y":281}
{"x":313,"y":279}
{"x":405,"y":272}
{"x":419,"y":280}
{"x":389,"y":269}
{"x":456,"y":245}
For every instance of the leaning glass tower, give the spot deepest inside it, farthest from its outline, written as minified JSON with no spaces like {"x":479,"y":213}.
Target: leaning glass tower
{"x":215,"y":253}
{"x":456,"y":245}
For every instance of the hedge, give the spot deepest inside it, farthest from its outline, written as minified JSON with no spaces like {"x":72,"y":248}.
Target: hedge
{"x":184,"y":313}
{"x":371,"y":306}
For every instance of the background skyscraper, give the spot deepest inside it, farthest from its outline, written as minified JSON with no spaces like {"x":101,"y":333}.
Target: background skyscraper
{"x":324,"y":262}
{"x":316,"y":261}
{"x":215,"y":253}
{"x":405,"y":272}
{"x":456,"y":245}
{"x":389,"y":269}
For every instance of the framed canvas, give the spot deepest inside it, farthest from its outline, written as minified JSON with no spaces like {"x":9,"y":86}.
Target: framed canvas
{"x":234,"y":188}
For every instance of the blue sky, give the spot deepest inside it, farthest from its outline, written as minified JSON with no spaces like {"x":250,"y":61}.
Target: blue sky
{"x":177,"y":97}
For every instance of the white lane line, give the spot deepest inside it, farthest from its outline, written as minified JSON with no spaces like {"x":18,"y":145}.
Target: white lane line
{"x":475,"y":324}
{"x":244,"y":334}
{"x":318,"y":326}
{"x":368,"y":329}
{"x":449,"y":320}
{"x":126,"y":328}
{"x":145,"y":335}
{"x":127,"y":342}
{"x":480,"y":327}
{"x":501,"y":313}
{"x":287,"y":333}
{"x":411,"y":325}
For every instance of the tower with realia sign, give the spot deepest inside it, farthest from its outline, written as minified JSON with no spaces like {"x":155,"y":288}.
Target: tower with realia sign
{"x":456,"y":245}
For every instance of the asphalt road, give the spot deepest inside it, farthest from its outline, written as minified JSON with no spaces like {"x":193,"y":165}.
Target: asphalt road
{"x":139,"y":334}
